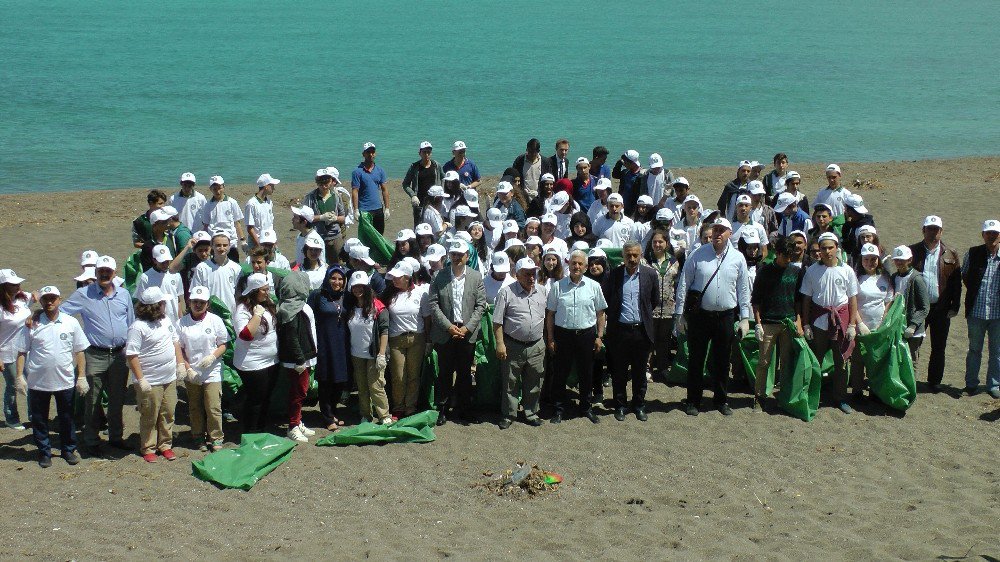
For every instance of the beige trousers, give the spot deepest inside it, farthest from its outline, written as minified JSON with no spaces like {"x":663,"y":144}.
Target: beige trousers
{"x":406,"y":355}
{"x":156,"y":417}
{"x":372,"y":401}
{"x":773,"y":334}
{"x":205,"y":408}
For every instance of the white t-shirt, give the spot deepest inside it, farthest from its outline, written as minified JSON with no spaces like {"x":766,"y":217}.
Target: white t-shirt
{"x":153,"y":342}
{"x":262,"y":351}
{"x":433,"y":217}
{"x":361,"y":328}
{"x":219,"y":279}
{"x":493,"y":286}
{"x":312,"y":328}
{"x":10,"y":327}
{"x":874,"y":292}
{"x":188,"y":209}
{"x":169,"y":283}
{"x":198,"y":338}
{"x":50,"y":347}
{"x":738,"y":227}
{"x":221,"y":215}
{"x":259,"y":214}
{"x":829,"y":287}
{"x":619,"y":233}
{"x":300,"y":247}
{"x":833,"y":199}
{"x":404,"y":311}
{"x":316,"y":276}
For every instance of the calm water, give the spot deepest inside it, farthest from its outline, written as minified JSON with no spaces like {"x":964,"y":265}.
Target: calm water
{"x":113,"y":94}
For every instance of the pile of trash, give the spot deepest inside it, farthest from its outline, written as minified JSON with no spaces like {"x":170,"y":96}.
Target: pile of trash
{"x":520,"y":481}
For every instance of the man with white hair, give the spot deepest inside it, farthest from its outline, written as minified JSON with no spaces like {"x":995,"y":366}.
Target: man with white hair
{"x":834,"y":194}
{"x":259,"y":211}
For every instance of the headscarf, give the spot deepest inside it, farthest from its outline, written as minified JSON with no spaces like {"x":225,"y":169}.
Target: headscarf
{"x":326,"y":290}
{"x":292,"y":292}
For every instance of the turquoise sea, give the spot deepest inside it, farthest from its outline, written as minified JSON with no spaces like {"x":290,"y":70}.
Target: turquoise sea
{"x":113,"y":94}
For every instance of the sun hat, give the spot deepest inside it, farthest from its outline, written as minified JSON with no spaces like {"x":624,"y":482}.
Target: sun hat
{"x":792,"y":175}
{"x":435,"y":252}
{"x":866,"y":229}
{"x":603,"y":243}
{"x":580,"y":245}
{"x":615,"y":198}
{"x":437,"y":191}
{"x":159,"y":215}
{"x":463,"y":235}
{"x":632,"y":155}
{"x":88,"y":257}
{"x":526,"y":263}
{"x":655,"y":160}
{"x":534,"y":241}
{"x":401,"y":269}
{"x":305,"y":212}
{"x":254,"y":281}
{"x":361,"y":252}
{"x":188,"y":176}
{"x":550,"y":218}
{"x":547,"y":177}
{"x":425,"y":144}
{"x":53,"y":290}
{"x":870,"y":250}
{"x":201,"y":236}
{"x":511,"y":243}
{"x":602,"y":184}
{"x":314,"y":241}
{"x":750,"y":235}
{"x":744,"y":199}
{"x":161,"y":253}
{"x":151,"y":295}
{"x":464,"y":211}
{"x":472,"y":197}
{"x":596,"y":253}
{"x":784,"y":201}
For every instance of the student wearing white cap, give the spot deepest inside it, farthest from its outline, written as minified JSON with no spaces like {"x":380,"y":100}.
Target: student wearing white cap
{"x":530,"y":167}
{"x":732,"y":189}
{"x":793,"y":182}
{"x":368,"y":336}
{"x":941,"y":268}
{"x":856,"y":215}
{"x":197,"y":250}
{"x":369,"y":192}
{"x":434,"y":213}
{"x":614,"y":225}
{"x":255,"y":351}
{"x":361,"y":260}
{"x":223,"y":213}
{"x":551,"y":269}
{"x":628,"y":171}
{"x":499,"y":276}
{"x":602,"y":190}
{"x":51,"y":364}
{"x":681,"y":188}
{"x":760,"y":211}
{"x":875,"y":295}
{"x":822,"y":220}
{"x":312,"y":263}
{"x":690,"y":221}
{"x":14,"y":310}
{"x":259,"y":210}
{"x":106,"y":311}
{"x":510,"y":209}
{"x":456,"y":303}
{"x":656,"y":181}
{"x":981,"y":275}
{"x":405,"y":301}
{"x":583,"y":184}
{"x":154,"y":356}
{"x":219,"y":273}
{"x":912,"y":285}
{"x":743,"y":221}
{"x":188,"y":202}
{"x":303,"y":221}
{"x":329,"y":211}
{"x":792,"y":217}
{"x":203,"y":340}
{"x":160,"y":276}
{"x":834,"y":193}
{"x":540,"y":201}
{"x":643,"y":212}
{"x":177,"y":234}
{"x":88,"y":277}
{"x":420,"y":176}
{"x":829,"y":311}
{"x":142,"y":227}
{"x":468,"y":172}
{"x":269,"y":242}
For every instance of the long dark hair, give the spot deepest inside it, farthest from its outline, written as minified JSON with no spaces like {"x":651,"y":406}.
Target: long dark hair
{"x":6,"y":302}
{"x":604,"y":274}
{"x":248,"y":301}
{"x":480,"y":245}
{"x":556,"y":274}
{"x":150,"y":312}
{"x":648,"y":252}
{"x":366,"y":301}
{"x":414,"y":252}
{"x":391,"y":291}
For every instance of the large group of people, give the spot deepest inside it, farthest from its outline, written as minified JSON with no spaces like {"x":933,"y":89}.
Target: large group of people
{"x":537,"y":251}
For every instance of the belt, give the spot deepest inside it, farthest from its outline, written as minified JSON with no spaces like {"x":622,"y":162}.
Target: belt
{"x":577,"y":332}
{"x":108,"y":350}
{"x":522,"y":342}
{"x":635,"y":326}
{"x":715,"y":313}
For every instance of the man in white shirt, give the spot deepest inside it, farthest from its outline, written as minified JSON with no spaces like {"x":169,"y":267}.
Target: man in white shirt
{"x":259,"y":213}
{"x":499,"y":276}
{"x":188,"y":202}
{"x":602,"y":190}
{"x":743,"y":221}
{"x":614,"y":225}
{"x":47,"y":354}
{"x":159,"y":276}
{"x":222,"y":213}
{"x":834,"y":193}
{"x":220,"y":273}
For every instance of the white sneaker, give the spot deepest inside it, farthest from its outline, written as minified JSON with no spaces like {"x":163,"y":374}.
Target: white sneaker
{"x":386,"y":421}
{"x":305,"y":430}
{"x":295,"y":434}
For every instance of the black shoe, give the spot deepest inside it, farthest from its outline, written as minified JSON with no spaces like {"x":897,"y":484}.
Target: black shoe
{"x":534,"y":422}
{"x":725,"y":410}
{"x":691,"y":410}
{"x":607,"y":381}
{"x":468,"y":417}
{"x":934,"y":387}
{"x":590,"y":415}
{"x":96,"y":451}
{"x":442,"y":419}
{"x":556,"y":418}
{"x":972,"y":390}
{"x":120,"y":444}
{"x":44,"y":461}
{"x":640,"y":414}
{"x":71,"y":458}
{"x":620,"y":413}
{"x":504,"y":423}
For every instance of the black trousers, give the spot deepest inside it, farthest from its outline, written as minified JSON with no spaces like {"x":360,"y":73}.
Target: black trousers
{"x":453,"y":386}
{"x":574,"y":348}
{"x":257,"y":389}
{"x":938,"y":324}
{"x":705,"y":327}
{"x":378,"y":219}
{"x":630,"y":363}
{"x":329,"y":394}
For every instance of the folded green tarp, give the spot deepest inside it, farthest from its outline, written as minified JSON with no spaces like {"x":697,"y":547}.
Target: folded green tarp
{"x":258,"y":455}
{"x":418,"y":428}
{"x":887,"y":359}
{"x":380,"y":249}
{"x":801,"y":379}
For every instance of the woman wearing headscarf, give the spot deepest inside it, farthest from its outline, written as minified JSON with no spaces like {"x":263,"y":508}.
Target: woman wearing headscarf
{"x":296,"y":347}
{"x":581,"y":230}
{"x":332,"y":369}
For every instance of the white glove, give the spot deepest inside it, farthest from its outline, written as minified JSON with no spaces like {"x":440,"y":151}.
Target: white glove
{"x":205,"y":361}
{"x":300,"y":368}
{"x":21,"y":385}
{"x":863,"y":329}
{"x":82,"y":386}
{"x":415,"y":201}
{"x":259,"y":310}
{"x":144,"y":385}
{"x":744,"y":328}
{"x":357,"y":214}
{"x":380,"y":362}
{"x":851,"y":332}
{"x":181,"y":371}
{"x":385,"y":212}
{"x":680,"y":246}
{"x":192,"y":377}
{"x":329,"y":216}
{"x":680,"y":324}
{"x":807,"y":332}
{"x":909,"y":331}
{"x":759,"y":331}
{"x":532,"y":193}
{"x":348,"y":220}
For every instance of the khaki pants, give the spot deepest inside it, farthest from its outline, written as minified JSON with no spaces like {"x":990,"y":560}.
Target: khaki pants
{"x":371,"y":389}
{"x":773,"y":334}
{"x":522,"y":374}
{"x":205,"y":408}
{"x":156,"y":417}
{"x":406,"y":356}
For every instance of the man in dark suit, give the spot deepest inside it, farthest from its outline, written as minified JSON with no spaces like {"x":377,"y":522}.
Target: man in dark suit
{"x":531,"y":166}
{"x":457,"y":301}
{"x":558,"y":162}
{"x":632,"y":293}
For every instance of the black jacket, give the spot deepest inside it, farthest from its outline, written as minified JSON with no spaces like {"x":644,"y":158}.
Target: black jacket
{"x":519,"y":167}
{"x":649,"y":297}
{"x":554,"y":167}
{"x":295,"y":340}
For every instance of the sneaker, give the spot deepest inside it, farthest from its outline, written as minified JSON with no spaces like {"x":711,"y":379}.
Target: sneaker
{"x":16,"y":426}
{"x":295,"y":434}
{"x":305,"y":430}
{"x":228,"y":417}
{"x":649,"y":376}
{"x":44,"y":461}
{"x":149,"y":457}
{"x":168,"y":454}
{"x":216,"y":446}
{"x":846,"y":408}
{"x":71,"y":458}
{"x":387,"y":420}
{"x":994,"y":392}
{"x":972,"y":390}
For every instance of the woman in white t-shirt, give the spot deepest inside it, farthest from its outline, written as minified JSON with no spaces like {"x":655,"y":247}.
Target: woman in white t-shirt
{"x":404,"y":300}
{"x":153,"y":353}
{"x":368,"y":338}
{"x":13,"y":312}
{"x":312,"y":261}
{"x":255,"y":351}
{"x":203,"y":339}
{"x":875,"y":294}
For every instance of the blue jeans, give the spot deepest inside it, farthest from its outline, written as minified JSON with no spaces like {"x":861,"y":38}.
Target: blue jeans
{"x":40,"y":401}
{"x":978,"y":330}
{"x":10,"y":413}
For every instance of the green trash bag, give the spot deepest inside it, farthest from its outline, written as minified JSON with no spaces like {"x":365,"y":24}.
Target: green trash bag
{"x":132,"y":270}
{"x":380,"y":248}
{"x":801,"y":379}
{"x":428,"y":376}
{"x":257,"y":456}
{"x":488,"y":384}
{"x":679,"y":370}
{"x":231,"y":382}
{"x":418,"y":428}
{"x":887,"y":359}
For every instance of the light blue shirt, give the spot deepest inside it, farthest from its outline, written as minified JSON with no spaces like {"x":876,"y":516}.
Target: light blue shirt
{"x":576,"y":304}
{"x":729,"y":289}
{"x":630,"y":299}
{"x":105,"y":319}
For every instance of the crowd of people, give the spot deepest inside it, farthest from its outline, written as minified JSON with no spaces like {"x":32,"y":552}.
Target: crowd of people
{"x":594,"y":270}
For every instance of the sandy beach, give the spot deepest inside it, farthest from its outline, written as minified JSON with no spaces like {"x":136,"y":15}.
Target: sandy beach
{"x":873,"y":485}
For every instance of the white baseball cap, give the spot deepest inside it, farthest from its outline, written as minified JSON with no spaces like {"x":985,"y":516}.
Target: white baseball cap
{"x":855,"y":202}
{"x":458,"y":145}
{"x":644,"y":200}
{"x":405,"y":234}
{"x":682,"y":181}
{"x":472,"y":197}
{"x":934,"y":220}
{"x":268,"y":236}
{"x":744,"y":164}
{"x":500,"y":262}
{"x":53,"y":290}
{"x":550,"y":218}
{"x":414,"y":263}
{"x":350,"y":243}
{"x":334,"y":173}
{"x":187,"y":176}
{"x":401,"y":269}
{"x":464,"y":211}
{"x":784,"y":201}
{"x":265,"y":180}
{"x":532,"y":220}
{"x":255,"y":281}
{"x":8,"y":276}
{"x":437,"y":191}
{"x":902,"y":253}
{"x":458,"y":247}
{"x":616,"y":198}
{"x":817,"y":206}
{"x":504,"y":187}
{"x":664,"y":215}
{"x":201,"y":236}
{"x":559,"y":200}
{"x":750,"y":235}
{"x":494,"y":215}
{"x":151,"y":295}
{"x":603,"y":183}
{"x":596,"y":253}
{"x":723,"y":223}
{"x":361,"y":252}
{"x":161,"y":253}
{"x":632,"y":155}
{"x":526,"y":263}
{"x":792,"y":175}
{"x":423,"y":229}
{"x":603,"y":243}
{"x":314,"y":241}
{"x":991,"y":225}
{"x":833,"y":168}
{"x":534,"y":241}
{"x":434,"y":252}
{"x":169,"y":210}
{"x":691,"y":198}
{"x":756,"y":188}
{"x":106,"y":262}
{"x":88,"y":257}
{"x":828,"y":236}
{"x":216,"y":180}
{"x":305,"y":212}
{"x":357,"y":278}
{"x":200,"y":293}
{"x":88,"y":273}
{"x":870,"y":250}
{"x":582,"y":160}
{"x":756,"y":164}
{"x":511,"y":243}
{"x":743,"y":199}
{"x":368,"y":145}
{"x":463,"y":235}
{"x":510,"y":226}
{"x":866,"y":229}
{"x":451,"y":175}
{"x":547,"y":177}
{"x":655,"y":160}
{"x":425,"y":144}
{"x":159,"y":215}
{"x":552,"y":250}
{"x":324,"y":172}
